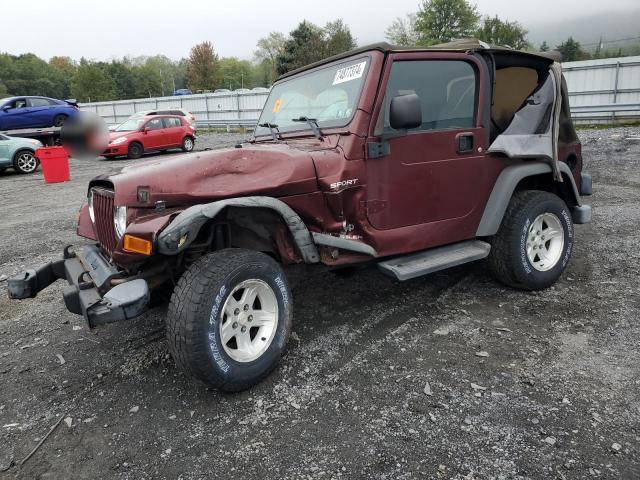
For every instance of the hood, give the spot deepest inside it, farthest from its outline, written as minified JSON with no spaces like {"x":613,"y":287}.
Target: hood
{"x":273,"y":170}
{"x":113,"y":135}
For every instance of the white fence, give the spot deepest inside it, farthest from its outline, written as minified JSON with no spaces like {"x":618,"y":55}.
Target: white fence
{"x":604,"y":90}
{"x":210,"y":109}
{"x":599,"y":91}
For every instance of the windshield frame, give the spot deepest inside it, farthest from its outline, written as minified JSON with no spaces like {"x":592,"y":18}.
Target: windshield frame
{"x":304,"y":127}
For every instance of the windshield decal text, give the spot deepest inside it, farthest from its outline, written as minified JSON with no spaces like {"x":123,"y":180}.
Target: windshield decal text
{"x":347,"y":74}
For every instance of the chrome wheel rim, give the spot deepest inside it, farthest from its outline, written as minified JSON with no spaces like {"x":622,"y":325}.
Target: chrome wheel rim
{"x":27,"y":162}
{"x":545,"y":242}
{"x":188,"y":144}
{"x":248,"y":320}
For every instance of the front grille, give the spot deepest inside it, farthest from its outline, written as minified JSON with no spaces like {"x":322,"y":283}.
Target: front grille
{"x":103,"y":211}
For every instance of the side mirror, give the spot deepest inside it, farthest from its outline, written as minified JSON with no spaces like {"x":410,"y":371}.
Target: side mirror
{"x":145,"y":130}
{"x":6,"y":108}
{"x":405,"y":112}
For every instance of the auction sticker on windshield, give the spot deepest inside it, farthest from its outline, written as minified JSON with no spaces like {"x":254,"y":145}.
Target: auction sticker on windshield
{"x":347,"y":74}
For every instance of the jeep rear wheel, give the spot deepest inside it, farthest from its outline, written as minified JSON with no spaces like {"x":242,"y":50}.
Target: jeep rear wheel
{"x":534,"y":242}
{"x":229,"y":318}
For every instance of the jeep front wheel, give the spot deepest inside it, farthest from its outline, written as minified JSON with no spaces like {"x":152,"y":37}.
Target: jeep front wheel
{"x":229,"y":318}
{"x":534,"y":242}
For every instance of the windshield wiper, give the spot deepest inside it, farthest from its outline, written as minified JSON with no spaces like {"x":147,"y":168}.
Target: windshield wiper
{"x":313,"y":123}
{"x":273,"y":128}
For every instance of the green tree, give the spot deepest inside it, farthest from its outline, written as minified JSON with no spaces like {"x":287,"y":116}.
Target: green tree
{"x":571,"y":50}
{"x":498,"y":32}
{"x":445,"y":20}
{"x":402,"y":31}
{"x":237,"y":73}
{"x":203,"y":71}
{"x":266,"y":54}
{"x":147,"y":82}
{"x":29,"y":75}
{"x":122,"y":76}
{"x":91,"y":84}
{"x":338,"y":38}
{"x":169,"y":73}
{"x":305,"y":45}
{"x":544,"y":46}
{"x":309,"y":43}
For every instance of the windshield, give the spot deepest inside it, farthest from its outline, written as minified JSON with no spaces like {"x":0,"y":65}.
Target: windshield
{"x":130,"y":125}
{"x":329,"y":96}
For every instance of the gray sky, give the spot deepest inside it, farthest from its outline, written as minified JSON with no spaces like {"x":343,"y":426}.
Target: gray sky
{"x":104,"y":29}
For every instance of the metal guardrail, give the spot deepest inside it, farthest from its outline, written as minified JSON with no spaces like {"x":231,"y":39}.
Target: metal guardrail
{"x":605,"y":113}
{"x":228,"y":124}
{"x":606,"y":108}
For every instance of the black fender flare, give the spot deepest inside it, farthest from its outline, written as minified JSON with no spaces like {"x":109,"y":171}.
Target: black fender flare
{"x":505,"y":186}
{"x":188,"y":223}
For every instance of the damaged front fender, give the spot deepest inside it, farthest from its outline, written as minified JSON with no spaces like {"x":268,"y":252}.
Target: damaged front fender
{"x":185,"y":227}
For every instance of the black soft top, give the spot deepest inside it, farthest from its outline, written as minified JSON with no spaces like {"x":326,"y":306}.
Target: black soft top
{"x":464,"y":45}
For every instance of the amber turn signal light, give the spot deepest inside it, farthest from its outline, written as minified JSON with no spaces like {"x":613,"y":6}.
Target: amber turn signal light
{"x":137,"y":245}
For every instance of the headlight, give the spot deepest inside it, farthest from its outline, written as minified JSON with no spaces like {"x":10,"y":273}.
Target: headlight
{"x":120,"y":220}
{"x":118,"y":141}
{"x":92,"y":215}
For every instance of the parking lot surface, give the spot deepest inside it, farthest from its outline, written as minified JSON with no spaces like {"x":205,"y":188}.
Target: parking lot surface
{"x":447,"y":376}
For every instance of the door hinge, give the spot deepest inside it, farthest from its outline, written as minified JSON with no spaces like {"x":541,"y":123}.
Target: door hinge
{"x":378,"y":149}
{"x":373,"y":206}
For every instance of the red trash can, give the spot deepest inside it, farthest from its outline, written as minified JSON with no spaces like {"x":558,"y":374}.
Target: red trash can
{"x":55,"y":164}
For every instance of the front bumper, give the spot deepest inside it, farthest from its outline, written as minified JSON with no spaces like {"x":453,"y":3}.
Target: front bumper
{"x":116,"y":150}
{"x":90,"y":292}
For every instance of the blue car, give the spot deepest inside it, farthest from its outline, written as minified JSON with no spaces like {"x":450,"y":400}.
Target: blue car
{"x":35,"y":112}
{"x":182,"y":91}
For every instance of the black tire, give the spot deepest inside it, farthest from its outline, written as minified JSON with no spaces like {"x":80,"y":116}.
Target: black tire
{"x":188,"y":143}
{"x":195,"y":314}
{"x":509,"y":261}
{"x":25,"y":161}
{"x":2,"y":169}
{"x":59,"y":120}
{"x":135,"y":150}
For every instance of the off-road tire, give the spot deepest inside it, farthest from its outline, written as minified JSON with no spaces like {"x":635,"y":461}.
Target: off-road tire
{"x":19,"y":162}
{"x":508,"y":260}
{"x":188,"y":143}
{"x":59,"y":120}
{"x":135,"y":150}
{"x":193,"y":318}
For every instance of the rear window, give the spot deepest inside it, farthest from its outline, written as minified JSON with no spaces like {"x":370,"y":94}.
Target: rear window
{"x":40,"y":102}
{"x":171,"y":122}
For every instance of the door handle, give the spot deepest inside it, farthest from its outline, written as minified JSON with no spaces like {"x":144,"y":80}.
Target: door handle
{"x":465,"y":142}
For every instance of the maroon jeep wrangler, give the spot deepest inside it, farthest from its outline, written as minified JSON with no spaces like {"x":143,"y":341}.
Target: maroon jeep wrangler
{"x":414,"y":160}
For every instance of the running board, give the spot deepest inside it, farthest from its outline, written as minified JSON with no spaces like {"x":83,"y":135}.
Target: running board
{"x":429,"y":261}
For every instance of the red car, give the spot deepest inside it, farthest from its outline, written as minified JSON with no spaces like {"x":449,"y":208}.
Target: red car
{"x":151,"y":133}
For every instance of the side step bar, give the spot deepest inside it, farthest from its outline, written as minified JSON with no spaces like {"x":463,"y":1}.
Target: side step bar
{"x":429,"y":261}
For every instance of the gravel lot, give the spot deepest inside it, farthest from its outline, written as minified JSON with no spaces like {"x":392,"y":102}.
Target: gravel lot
{"x":520,"y":385}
